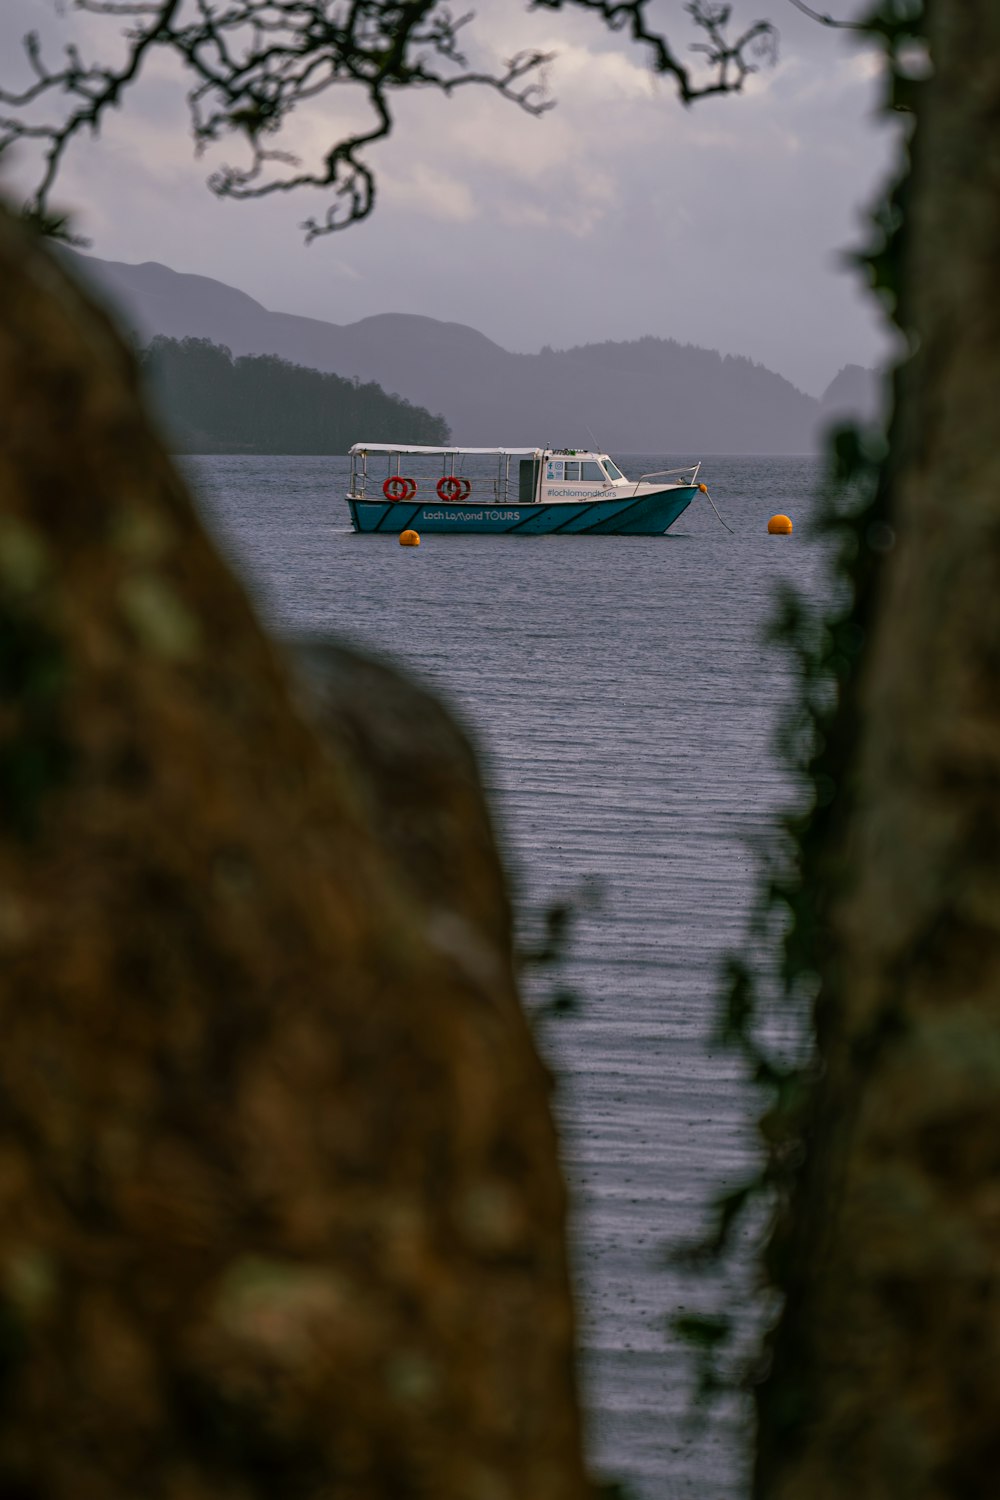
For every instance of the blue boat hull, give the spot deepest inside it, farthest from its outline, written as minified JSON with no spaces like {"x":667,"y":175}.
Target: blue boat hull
{"x":643,"y":515}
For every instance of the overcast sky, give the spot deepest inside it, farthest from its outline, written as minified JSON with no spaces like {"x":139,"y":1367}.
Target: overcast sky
{"x":615,"y":215}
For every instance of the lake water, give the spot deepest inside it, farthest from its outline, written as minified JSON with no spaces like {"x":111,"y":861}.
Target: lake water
{"x":625,"y":702}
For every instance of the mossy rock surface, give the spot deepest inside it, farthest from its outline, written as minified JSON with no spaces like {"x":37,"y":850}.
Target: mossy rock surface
{"x":280,"y":1205}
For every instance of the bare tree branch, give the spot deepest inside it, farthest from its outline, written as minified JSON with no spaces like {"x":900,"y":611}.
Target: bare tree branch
{"x":824,"y":20}
{"x":251,"y":63}
{"x":731,"y":61}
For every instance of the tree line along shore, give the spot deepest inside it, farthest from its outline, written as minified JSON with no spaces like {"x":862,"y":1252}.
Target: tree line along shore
{"x":209,"y":401}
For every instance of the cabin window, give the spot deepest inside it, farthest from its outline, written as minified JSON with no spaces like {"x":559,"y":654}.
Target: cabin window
{"x":554,"y":469}
{"x":613,"y":471}
{"x":572,"y":472}
{"x":592,"y":473}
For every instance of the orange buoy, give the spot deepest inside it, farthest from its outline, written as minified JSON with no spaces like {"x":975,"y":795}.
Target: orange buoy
{"x":780,"y":526}
{"x":409,"y":539}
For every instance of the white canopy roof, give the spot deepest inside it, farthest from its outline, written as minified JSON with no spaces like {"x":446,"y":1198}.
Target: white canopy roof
{"x":448,"y":448}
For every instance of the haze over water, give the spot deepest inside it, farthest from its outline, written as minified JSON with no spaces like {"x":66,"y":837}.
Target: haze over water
{"x":624,"y":703}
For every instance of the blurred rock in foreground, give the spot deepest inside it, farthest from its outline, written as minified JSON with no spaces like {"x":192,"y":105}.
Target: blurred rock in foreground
{"x":280,"y":1210}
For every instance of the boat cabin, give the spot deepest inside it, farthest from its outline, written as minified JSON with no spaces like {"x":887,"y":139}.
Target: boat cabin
{"x":491,"y":476}
{"x":571,"y":475}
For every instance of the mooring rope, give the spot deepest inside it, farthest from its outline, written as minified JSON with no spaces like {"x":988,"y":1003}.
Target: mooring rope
{"x":712,"y":503}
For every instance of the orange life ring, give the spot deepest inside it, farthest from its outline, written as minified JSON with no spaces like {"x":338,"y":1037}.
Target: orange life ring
{"x":450,"y":488}
{"x":398,"y":487}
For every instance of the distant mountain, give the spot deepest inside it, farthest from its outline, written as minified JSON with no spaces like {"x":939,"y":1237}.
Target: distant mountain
{"x":650,"y":395}
{"x":855,"y":394}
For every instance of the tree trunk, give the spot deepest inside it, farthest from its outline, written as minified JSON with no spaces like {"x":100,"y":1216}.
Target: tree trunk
{"x":886,"y":1362}
{"x":280,"y":1208}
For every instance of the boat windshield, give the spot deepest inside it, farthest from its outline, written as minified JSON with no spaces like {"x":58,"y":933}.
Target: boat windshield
{"x":613,"y":470}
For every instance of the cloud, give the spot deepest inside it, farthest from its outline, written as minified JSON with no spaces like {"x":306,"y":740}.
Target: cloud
{"x":430,"y":191}
{"x":584,"y":74}
{"x":616,"y":214}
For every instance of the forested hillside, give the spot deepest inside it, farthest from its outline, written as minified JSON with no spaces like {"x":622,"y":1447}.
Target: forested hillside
{"x":210,"y":402}
{"x":650,"y":395}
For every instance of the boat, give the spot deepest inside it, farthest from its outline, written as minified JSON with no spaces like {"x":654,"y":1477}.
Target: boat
{"x":528,"y":491}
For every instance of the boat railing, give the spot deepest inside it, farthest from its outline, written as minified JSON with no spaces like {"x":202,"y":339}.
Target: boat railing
{"x":479,"y":486}
{"x":502,"y":486}
{"x":691,"y":469}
